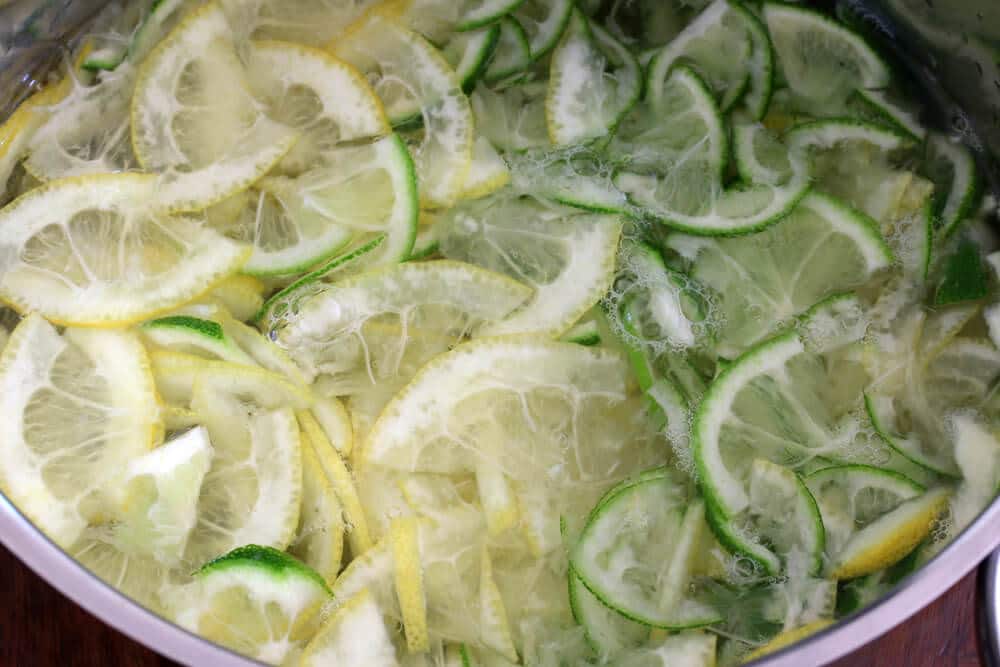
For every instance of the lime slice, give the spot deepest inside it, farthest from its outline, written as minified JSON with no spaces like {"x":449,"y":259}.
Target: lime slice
{"x":162,"y":17}
{"x":964,"y":276}
{"x":415,"y":81}
{"x":255,"y":600}
{"x":470,"y":54}
{"x":881,"y":107}
{"x":676,"y":176}
{"x":80,"y":407}
{"x":685,"y":649}
{"x":357,"y":331}
{"x":319,"y":537}
{"x":776,"y":401}
{"x":888,"y":539}
{"x":184,"y":333}
{"x":477,"y":13}
{"x":718,"y":44}
{"x":58,"y":238}
{"x":635,"y":554}
{"x":154,"y":502}
{"x":513,"y":51}
{"x":188,"y":93}
{"x":593,"y":82}
{"x":567,"y":257}
{"x":850,"y":497}
{"x":543,"y":23}
{"x":324,"y":99}
{"x":819,"y":58}
{"x":951,"y":167}
{"x":608,"y":632}
{"x":355,"y":634}
{"x":296,"y":223}
{"x":513,"y":118}
{"x":575,"y":176}
{"x":977,"y":453}
{"x":253,"y":492}
{"x":487,"y":174}
{"x":821,"y":248}
{"x":586,"y":333}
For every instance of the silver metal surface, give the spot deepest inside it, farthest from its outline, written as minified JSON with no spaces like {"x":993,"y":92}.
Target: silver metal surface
{"x":988,"y":610}
{"x":69,"y":578}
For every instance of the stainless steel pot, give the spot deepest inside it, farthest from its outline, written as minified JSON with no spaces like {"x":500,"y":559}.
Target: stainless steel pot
{"x":951,"y":50}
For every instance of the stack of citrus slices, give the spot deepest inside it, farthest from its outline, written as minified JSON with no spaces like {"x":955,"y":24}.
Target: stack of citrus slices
{"x":493,"y":332}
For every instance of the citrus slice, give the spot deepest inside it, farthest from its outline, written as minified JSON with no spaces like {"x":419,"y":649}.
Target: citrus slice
{"x":821,"y":248}
{"x":819,"y":58}
{"x":774,"y":402}
{"x":477,"y":13}
{"x":593,"y":82}
{"x":851,"y":497}
{"x":18,"y":129}
{"x":194,"y":118}
{"x":296,"y":223}
{"x":470,"y":54}
{"x":888,"y":539}
{"x":255,"y":600}
{"x":787,"y":638}
{"x":355,"y":634}
{"x":86,"y":133}
{"x":319,"y":537}
{"x":718,"y":44}
{"x":348,"y":330}
{"x":310,"y":22}
{"x":409,"y":581}
{"x":488,"y":173}
{"x":415,"y":81}
{"x":332,"y":417}
{"x":513,"y":118}
{"x":690,"y":649}
{"x":512,"y":53}
{"x":566,"y":256}
{"x":78,"y":407}
{"x":977,"y":453}
{"x":674,"y":168}
{"x":608,"y":632}
{"x":951,"y":167}
{"x":324,"y":99}
{"x":576,"y":176}
{"x":243,"y":296}
{"x":543,"y":23}
{"x":614,"y":556}
{"x":184,"y":333}
{"x":61,"y":240}
{"x":253,"y":492}
{"x":881,"y":106}
{"x":154,"y":501}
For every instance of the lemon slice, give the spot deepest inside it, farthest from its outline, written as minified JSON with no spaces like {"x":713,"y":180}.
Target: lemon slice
{"x":243,"y":296}
{"x":357,"y":331}
{"x":62,"y":242}
{"x":487,"y":173}
{"x":310,"y":22}
{"x":255,"y":600}
{"x":332,"y":417}
{"x":326,"y":100}
{"x":194,"y":118}
{"x":77,"y":408}
{"x":355,"y":634}
{"x":568,"y":257}
{"x":415,"y":82}
{"x":253,"y":492}
{"x":319,"y":538}
{"x":409,"y":582}
{"x":787,"y":638}
{"x":358,"y":190}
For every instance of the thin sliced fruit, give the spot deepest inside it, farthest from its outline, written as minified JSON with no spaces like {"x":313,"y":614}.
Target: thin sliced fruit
{"x":415,"y":81}
{"x":685,"y":649}
{"x":513,"y":119}
{"x":888,"y":539}
{"x":184,"y":333}
{"x":512,"y":53}
{"x":295,"y":223}
{"x":951,"y":167}
{"x":310,"y":22}
{"x":332,"y":417}
{"x":607,"y":631}
{"x":566,"y":256}
{"x":319,"y":537}
{"x":543,"y":23}
{"x":17,"y":130}
{"x":194,"y":118}
{"x":59,"y":240}
{"x":851,"y":497}
{"x":488,"y":173}
{"x":819,"y":58}
{"x":977,"y":453}
{"x":477,"y":13}
{"x":636,"y":550}
{"x":409,"y":582}
{"x":253,"y":492}
{"x":787,"y":638}
{"x":77,"y":407}
{"x":470,"y":54}
{"x":256,"y":600}
{"x":357,"y":331}
{"x":355,"y":634}
{"x":242,"y":296}
{"x":759,"y":282}
{"x":593,"y":82}
{"x":964,"y":275}
{"x":718,"y":44}
{"x":324,"y":99}
{"x":880,"y":106}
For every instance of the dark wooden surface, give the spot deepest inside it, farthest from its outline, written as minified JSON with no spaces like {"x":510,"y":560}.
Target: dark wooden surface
{"x":40,"y":628}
